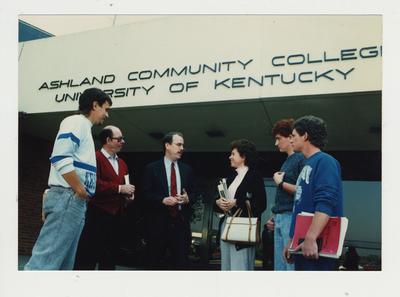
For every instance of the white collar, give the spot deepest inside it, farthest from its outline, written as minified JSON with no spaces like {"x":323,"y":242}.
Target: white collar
{"x":242,"y":170}
{"x":168,"y":162}
{"x":107,"y":155}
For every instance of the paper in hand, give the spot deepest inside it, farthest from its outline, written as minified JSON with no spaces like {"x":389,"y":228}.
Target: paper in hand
{"x":221,"y":191}
{"x":225,"y":187}
{"x":126,"y":178}
{"x":127,"y":182}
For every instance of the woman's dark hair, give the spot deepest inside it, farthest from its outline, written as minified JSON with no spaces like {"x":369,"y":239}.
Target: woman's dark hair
{"x":283,"y":127}
{"x":247,"y":150}
{"x":91,"y":95}
{"x":314,"y":127}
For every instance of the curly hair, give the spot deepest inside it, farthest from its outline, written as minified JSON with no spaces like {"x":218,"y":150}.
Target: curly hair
{"x":314,"y":127}
{"x":283,"y":127}
{"x":247,"y":150}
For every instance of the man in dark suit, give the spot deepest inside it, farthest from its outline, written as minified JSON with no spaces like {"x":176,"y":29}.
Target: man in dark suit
{"x":99,"y":239}
{"x":168,"y":193}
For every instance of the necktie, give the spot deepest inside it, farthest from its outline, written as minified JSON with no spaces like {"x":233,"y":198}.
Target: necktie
{"x":173,"y":180}
{"x":173,"y":210}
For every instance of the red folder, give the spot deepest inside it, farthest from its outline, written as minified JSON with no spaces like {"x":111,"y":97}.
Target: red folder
{"x":330,"y":241}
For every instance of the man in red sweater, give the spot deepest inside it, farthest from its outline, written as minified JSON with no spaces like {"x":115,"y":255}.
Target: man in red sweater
{"x":99,"y":240}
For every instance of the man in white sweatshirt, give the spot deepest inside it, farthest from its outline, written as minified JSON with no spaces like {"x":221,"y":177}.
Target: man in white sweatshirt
{"x":72,"y":182}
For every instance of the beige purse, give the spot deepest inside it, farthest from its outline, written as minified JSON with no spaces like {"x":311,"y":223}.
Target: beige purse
{"x":242,"y":229}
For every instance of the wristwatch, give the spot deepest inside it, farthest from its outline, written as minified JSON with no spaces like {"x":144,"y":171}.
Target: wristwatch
{"x":280,"y":186}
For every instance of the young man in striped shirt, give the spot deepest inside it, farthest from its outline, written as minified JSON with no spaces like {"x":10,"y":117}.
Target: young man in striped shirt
{"x":72,"y":182}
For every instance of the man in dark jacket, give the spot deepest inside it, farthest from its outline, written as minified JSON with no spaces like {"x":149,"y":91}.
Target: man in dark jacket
{"x":168,"y":193}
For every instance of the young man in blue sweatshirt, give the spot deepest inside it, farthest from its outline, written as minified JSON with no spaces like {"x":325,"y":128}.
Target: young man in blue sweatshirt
{"x":318,"y":191}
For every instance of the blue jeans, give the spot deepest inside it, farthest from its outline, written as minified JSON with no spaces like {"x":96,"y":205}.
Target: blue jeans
{"x":56,"y":245}
{"x":232,"y":259}
{"x":281,"y":238}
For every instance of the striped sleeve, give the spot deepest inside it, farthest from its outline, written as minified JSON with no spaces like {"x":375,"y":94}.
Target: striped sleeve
{"x":65,"y":145}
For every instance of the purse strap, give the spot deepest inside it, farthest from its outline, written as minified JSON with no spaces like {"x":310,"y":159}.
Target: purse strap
{"x":250,"y":215}
{"x":237,"y":213}
{"x":249,"y":208}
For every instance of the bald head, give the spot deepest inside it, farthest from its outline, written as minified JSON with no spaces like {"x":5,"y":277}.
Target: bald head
{"x":111,"y":138}
{"x":112,"y":128}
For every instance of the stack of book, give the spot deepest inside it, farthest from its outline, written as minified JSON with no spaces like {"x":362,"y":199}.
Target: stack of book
{"x":223,"y":189}
{"x":330,"y":241}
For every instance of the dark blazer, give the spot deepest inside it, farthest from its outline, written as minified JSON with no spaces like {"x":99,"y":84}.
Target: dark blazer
{"x":107,"y":182}
{"x":251,"y":188}
{"x":165,"y":232}
{"x":155,"y":189}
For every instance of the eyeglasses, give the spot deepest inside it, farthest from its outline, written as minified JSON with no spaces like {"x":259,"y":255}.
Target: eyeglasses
{"x":119,"y":139}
